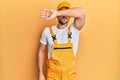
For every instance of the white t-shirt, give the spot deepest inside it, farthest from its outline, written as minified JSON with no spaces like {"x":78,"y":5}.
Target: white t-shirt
{"x":61,"y":36}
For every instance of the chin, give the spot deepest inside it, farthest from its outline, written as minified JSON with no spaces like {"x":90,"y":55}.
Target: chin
{"x":64,"y":23}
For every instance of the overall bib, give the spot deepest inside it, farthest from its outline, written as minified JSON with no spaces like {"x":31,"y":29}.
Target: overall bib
{"x":61,"y":64}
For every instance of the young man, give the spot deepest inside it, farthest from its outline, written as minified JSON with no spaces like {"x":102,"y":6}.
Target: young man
{"x":62,"y":41}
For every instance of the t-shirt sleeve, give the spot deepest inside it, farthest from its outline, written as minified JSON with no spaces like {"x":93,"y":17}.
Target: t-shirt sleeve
{"x":75,"y":29}
{"x":43,"y":38}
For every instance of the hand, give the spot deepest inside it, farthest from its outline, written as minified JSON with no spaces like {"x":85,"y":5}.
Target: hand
{"x":42,"y":77}
{"x":48,"y":14}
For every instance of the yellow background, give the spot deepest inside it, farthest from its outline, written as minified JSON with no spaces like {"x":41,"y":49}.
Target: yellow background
{"x":98,"y":55}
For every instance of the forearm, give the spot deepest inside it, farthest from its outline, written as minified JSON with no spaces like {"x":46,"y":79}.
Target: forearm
{"x":41,"y":61}
{"x":72,"y":12}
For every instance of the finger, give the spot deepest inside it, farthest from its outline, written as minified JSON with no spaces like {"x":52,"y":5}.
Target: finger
{"x":43,"y":12}
{"x":47,"y":14}
{"x":48,"y":18}
{"x":43,"y":16}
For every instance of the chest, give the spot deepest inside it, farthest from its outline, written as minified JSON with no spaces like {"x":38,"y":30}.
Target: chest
{"x":61,"y":37}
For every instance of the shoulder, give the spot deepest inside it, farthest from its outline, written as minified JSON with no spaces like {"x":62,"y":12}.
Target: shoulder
{"x":53,"y":27}
{"x":45,"y":32}
{"x":46,"y":29}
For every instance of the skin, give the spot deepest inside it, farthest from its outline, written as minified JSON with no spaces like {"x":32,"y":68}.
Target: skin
{"x":63,"y":15}
{"x":62,"y":20}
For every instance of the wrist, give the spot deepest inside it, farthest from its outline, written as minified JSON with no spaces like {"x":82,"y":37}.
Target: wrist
{"x":41,"y":73}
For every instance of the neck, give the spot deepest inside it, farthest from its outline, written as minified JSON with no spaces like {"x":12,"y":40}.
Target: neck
{"x":59,"y":26}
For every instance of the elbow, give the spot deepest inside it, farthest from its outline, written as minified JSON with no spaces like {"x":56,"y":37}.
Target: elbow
{"x":83,"y":11}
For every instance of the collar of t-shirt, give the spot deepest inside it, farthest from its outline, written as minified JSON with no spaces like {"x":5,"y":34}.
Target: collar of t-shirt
{"x":61,"y":29}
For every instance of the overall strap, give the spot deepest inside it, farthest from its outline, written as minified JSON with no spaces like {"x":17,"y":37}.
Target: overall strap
{"x":69,"y":35}
{"x":53,"y":35}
